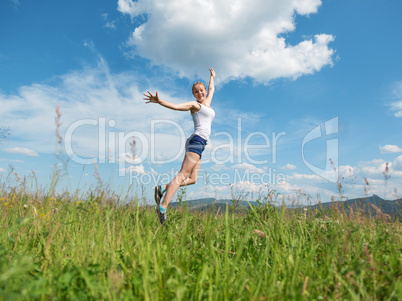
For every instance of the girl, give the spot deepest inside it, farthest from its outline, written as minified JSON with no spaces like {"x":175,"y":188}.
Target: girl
{"x":203,"y":115}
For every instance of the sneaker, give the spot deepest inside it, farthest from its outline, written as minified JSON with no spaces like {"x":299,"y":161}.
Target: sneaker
{"x":158,"y":194}
{"x":162,"y":216}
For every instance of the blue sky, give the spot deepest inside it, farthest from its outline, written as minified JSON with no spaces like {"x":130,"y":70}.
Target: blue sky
{"x":287,"y":72}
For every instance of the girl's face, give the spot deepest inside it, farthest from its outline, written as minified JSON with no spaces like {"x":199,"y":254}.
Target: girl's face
{"x":200,"y":92}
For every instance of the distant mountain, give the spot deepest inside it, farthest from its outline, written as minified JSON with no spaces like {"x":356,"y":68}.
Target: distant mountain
{"x":216,"y":206}
{"x":200,"y":203}
{"x":371,"y":206}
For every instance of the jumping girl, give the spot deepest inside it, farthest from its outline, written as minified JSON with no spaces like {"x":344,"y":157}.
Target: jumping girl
{"x":203,"y":115}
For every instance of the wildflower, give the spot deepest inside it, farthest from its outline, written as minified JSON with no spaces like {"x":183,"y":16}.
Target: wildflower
{"x":35,"y":211}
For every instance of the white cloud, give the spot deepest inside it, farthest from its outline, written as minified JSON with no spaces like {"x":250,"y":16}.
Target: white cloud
{"x":134,"y":169}
{"x":371,"y":170}
{"x":2,"y":169}
{"x":246,"y":187}
{"x":93,"y":95}
{"x":397,"y":94}
{"x":397,"y":164}
{"x":22,"y":151}
{"x":129,"y":158}
{"x":109,"y":24}
{"x":248,"y":167}
{"x":297,"y":176}
{"x":387,"y":149}
{"x":311,"y":188}
{"x":288,"y":167}
{"x":346,"y":170}
{"x":290,"y":192}
{"x":219,"y":167}
{"x":15,"y":3}
{"x":241,"y":38}
{"x":12,"y":160}
{"x":397,"y":106}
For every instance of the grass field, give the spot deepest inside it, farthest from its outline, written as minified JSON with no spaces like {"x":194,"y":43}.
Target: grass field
{"x":92,"y":246}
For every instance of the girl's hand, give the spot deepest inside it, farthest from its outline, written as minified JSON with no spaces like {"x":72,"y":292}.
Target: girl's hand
{"x":213,"y":74}
{"x":152,"y":98}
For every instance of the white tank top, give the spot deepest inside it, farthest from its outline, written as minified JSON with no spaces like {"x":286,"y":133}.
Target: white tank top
{"x":202,"y":121}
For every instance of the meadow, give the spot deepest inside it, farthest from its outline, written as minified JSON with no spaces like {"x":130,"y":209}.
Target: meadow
{"x":96,"y":245}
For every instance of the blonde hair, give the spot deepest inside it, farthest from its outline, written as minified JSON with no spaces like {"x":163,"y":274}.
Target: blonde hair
{"x":196,"y":84}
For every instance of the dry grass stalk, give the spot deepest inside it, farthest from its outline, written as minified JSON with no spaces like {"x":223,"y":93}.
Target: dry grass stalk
{"x":367,"y":188}
{"x":369,"y":257}
{"x":132,"y":148}
{"x":305,"y":286}
{"x":58,"y":124}
{"x":4,"y":133}
{"x":96,"y":173}
{"x":260,"y":233}
{"x":18,"y":177}
{"x":386,"y":178}
{"x":379,"y":212}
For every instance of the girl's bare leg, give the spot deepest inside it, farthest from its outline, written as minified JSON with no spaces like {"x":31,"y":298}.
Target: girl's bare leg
{"x":192,"y":179}
{"x":190,"y":167}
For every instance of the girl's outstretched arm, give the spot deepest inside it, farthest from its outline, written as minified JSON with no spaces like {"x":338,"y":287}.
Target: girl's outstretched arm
{"x":211,"y":87}
{"x":187,"y":106}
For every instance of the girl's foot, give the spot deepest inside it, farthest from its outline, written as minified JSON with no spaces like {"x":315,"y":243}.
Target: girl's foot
{"x":161,"y":212}
{"x":158,"y":194}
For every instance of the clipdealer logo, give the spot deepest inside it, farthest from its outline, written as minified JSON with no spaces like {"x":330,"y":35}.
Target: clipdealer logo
{"x":327,"y":131}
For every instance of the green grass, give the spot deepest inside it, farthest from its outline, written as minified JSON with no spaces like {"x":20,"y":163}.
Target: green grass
{"x":93,"y":247}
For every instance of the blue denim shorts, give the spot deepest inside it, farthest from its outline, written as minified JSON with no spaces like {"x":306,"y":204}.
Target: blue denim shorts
{"x":195,"y":144}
